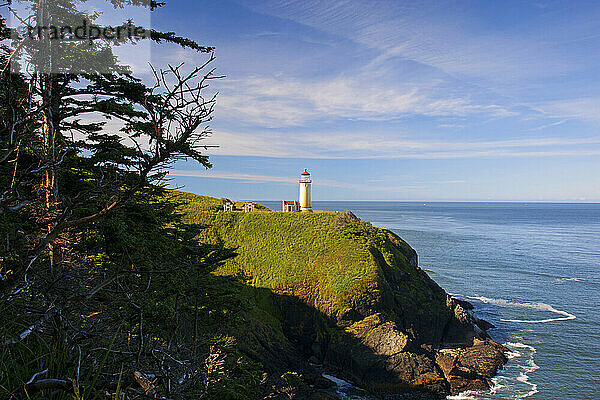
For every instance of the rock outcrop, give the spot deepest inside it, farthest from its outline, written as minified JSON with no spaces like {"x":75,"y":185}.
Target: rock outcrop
{"x":407,"y":337}
{"x":471,"y":368}
{"x":376,"y":355}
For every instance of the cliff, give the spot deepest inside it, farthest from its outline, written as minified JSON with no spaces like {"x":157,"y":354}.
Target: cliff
{"x":348,"y":297}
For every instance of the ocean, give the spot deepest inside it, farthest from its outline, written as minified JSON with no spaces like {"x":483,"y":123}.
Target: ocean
{"x":531,"y":269}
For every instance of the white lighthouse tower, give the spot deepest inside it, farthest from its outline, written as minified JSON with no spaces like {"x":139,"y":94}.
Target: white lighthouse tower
{"x":305,"y":183}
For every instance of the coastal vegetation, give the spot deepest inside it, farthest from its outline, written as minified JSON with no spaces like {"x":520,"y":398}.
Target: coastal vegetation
{"x":323,"y":257}
{"x":352,"y":295}
{"x":183,"y":300}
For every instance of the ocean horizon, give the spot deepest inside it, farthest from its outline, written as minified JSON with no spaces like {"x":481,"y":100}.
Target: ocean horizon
{"x":531,"y":269}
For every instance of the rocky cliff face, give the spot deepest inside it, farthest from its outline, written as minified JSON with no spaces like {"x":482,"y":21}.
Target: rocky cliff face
{"x":409,"y":338}
{"x":404,"y":337}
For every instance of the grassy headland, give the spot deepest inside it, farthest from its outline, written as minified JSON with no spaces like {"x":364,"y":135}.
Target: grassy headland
{"x":348,"y":295}
{"x":324,"y":258}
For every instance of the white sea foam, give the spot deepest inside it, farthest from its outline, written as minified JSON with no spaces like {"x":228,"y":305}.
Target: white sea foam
{"x":513,"y":354}
{"x":475,"y":395}
{"x":533,"y":306}
{"x":527,"y":368}
{"x":514,"y":345}
{"x":517,"y":350}
{"x":468,"y":395}
{"x":496,"y":385}
{"x":563,"y":280}
{"x":339,"y":382}
{"x":347,"y":391}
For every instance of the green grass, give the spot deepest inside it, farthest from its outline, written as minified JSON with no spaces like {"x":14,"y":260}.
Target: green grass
{"x":324,"y":258}
{"x":206,"y":203}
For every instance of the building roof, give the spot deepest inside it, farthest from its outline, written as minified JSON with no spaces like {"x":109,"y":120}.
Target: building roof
{"x":291,"y":202}
{"x":305,"y":172}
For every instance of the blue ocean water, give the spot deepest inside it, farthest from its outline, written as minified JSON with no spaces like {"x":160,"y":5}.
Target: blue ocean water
{"x":531,"y":269}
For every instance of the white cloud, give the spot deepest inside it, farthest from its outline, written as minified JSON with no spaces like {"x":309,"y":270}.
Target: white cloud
{"x":364,"y":95}
{"x":256,"y":178}
{"x":585,"y":108}
{"x":370,"y":145}
{"x":208,"y":174}
{"x":264,"y":34}
{"x":549,"y":125}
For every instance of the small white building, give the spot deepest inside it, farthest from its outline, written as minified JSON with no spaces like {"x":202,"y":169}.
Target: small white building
{"x":228,"y":205}
{"x":290,"y":206}
{"x":249,"y":207}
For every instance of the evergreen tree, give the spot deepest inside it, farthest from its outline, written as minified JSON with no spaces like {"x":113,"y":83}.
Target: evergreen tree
{"x":95,"y":264}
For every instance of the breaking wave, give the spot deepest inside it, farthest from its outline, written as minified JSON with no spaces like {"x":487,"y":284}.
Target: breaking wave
{"x":527,"y":368}
{"x":532,"y":306}
{"x":464,"y":396}
{"x":474,"y":395}
{"x":563,"y":280}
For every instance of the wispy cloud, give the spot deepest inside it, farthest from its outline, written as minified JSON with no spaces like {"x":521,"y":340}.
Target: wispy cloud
{"x":264,"y":34}
{"x":257,"y":178}
{"x":420,"y":60}
{"x":232,"y":176}
{"x":311,"y":40}
{"x":364,"y":95}
{"x":370,"y":145}
{"x":585,"y":108}
{"x":421,"y":31}
{"x":542,"y":127}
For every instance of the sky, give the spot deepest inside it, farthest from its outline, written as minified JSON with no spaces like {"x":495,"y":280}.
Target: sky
{"x":397,"y":100}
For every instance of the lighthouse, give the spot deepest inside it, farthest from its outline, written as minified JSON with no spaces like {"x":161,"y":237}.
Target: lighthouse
{"x":305,"y":183}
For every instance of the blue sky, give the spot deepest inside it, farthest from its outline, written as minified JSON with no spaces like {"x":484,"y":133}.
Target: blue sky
{"x":394,"y":100}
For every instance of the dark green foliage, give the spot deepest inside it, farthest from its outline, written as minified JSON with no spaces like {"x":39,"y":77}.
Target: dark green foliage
{"x":99,"y":277}
{"x":182,"y":41}
{"x":154,"y":272}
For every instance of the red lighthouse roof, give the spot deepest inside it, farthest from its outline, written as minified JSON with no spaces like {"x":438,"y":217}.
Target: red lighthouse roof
{"x":305,"y":172}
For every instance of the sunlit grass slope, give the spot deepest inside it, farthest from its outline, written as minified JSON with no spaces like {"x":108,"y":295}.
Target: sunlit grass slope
{"x":329,"y":260}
